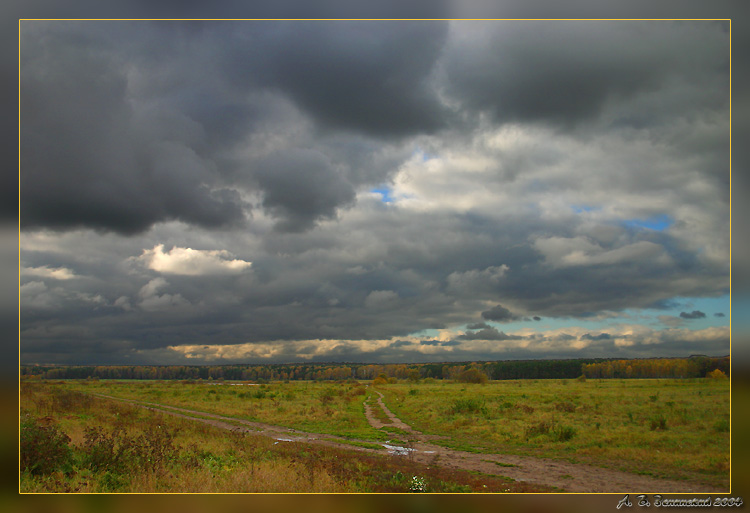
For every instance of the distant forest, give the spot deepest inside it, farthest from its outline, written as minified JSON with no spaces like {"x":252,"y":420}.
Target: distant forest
{"x":692,"y":367}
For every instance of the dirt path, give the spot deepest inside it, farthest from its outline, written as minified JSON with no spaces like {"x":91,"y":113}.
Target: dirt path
{"x":566,"y":476}
{"x":562,"y":475}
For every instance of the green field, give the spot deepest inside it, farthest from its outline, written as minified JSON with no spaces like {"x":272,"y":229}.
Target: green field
{"x":666,"y":428}
{"x":676,"y":429}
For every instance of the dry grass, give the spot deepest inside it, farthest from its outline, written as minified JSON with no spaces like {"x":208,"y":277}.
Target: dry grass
{"x":116,"y":447}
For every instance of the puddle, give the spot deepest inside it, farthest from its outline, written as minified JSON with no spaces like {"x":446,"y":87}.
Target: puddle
{"x":397,"y":450}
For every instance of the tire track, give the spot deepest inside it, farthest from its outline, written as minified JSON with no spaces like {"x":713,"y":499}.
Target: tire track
{"x":570,"y":477}
{"x":567,"y":477}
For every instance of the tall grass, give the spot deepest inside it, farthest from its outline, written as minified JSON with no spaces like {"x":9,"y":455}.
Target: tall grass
{"x":93,"y":445}
{"x":633,"y":425}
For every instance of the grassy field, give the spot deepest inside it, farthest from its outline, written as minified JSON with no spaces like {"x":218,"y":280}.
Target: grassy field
{"x":665,"y":428}
{"x":333,"y":408}
{"x":677,"y":429}
{"x":76,"y":443}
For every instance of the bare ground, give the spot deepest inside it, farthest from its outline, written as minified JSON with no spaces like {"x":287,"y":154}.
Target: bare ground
{"x":568,"y":477}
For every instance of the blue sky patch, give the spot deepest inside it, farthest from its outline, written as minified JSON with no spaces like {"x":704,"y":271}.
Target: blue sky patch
{"x":657,"y":223}
{"x":385,"y":193}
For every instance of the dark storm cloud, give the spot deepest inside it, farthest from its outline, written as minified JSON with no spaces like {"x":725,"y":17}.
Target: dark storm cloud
{"x":89,"y":159}
{"x":499,"y":313}
{"x":719,"y":314}
{"x":362,"y":76}
{"x":488,"y":334}
{"x":119,"y":133}
{"x":301,"y":186}
{"x":565,"y":73}
{"x":695,"y":314}
{"x":214,"y":124}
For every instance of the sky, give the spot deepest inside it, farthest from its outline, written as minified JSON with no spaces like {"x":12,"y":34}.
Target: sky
{"x":270,"y":191}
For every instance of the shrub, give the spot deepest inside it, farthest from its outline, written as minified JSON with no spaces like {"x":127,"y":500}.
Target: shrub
{"x":716,"y":374}
{"x":358,"y":390}
{"x":154,"y":447}
{"x":44,"y":448}
{"x":581,"y":378}
{"x":469,"y":405}
{"x":563,"y":433}
{"x":540,"y":428}
{"x":472,"y":375}
{"x":99,"y":450}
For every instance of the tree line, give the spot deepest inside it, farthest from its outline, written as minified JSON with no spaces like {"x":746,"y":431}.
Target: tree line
{"x":692,"y":367}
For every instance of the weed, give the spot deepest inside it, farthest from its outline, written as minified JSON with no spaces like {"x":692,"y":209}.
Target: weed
{"x":44,"y":448}
{"x":469,"y":405}
{"x":563,"y":433}
{"x":658,"y":423}
{"x":540,"y":428}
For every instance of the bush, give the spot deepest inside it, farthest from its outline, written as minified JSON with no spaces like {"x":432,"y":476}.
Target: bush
{"x":716,"y":374}
{"x":540,"y":428}
{"x":563,"y":433}
{"x":469,"y":406}
{"x":154,"y":447}
{"x":44,"y":448}
{"x":472,"y":375}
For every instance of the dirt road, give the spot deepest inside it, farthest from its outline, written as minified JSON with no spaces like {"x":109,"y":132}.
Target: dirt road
{"x":565,"y":476}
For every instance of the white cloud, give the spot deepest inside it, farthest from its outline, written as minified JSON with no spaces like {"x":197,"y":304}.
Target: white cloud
{"x":152,"y":301}
{"x":580,"y":251}
{"x":192,"y":262}
{"x":59,"y":273}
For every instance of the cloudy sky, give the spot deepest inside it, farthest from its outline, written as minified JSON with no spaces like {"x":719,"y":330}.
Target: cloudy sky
{"x":249,"y":191}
